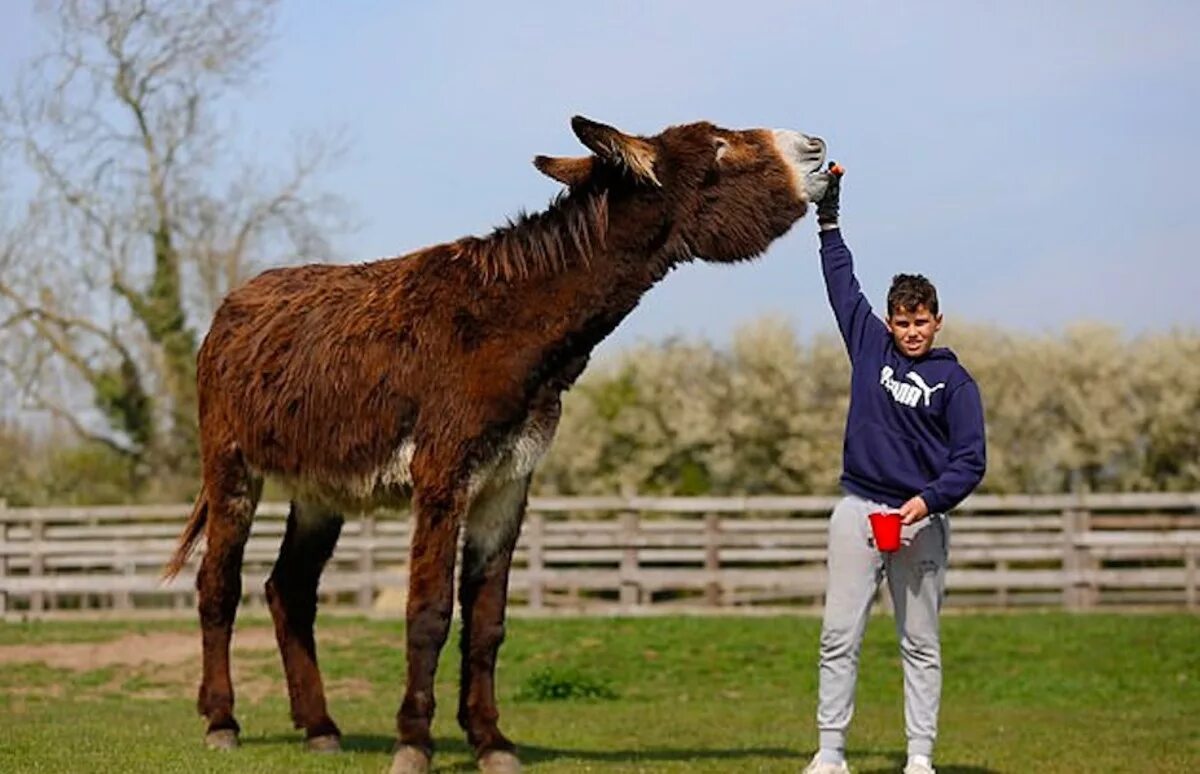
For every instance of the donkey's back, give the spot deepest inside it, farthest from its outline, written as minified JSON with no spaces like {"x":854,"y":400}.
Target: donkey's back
{"x":306,"y":371}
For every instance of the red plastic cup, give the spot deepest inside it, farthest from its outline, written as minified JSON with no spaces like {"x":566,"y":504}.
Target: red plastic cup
{"x":885,"y":525}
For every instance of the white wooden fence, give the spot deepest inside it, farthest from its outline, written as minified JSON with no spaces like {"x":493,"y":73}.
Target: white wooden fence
{"x":639,"y":554}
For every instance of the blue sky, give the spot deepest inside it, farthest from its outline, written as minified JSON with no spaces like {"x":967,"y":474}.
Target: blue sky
{"x":1036,"y":159}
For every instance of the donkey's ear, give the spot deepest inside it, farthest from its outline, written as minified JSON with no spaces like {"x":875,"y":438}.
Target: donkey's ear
{"x":571,"y":172}
{"x":613,"y":145}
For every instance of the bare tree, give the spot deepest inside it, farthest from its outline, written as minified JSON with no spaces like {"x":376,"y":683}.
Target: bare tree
{"x":138,"y":218}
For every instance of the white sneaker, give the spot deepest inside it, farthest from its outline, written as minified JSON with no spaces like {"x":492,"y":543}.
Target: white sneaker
{"x":817,"y":766}
{"x":916,"y":767}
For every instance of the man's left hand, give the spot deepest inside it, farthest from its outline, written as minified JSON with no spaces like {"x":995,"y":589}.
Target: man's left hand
{"x":914,"y":510}
{"x":831,"y":200}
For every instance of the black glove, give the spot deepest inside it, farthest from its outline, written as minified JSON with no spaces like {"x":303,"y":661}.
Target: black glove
{"x":827,"y":208}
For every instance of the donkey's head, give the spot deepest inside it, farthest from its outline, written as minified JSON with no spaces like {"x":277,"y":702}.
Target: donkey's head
{"x":717,"y":194}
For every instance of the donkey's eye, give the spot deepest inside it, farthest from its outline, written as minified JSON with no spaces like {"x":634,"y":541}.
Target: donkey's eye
{"x":722,"y":146}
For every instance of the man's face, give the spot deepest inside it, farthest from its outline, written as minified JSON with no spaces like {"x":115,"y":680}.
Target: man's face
{"x":913,"y":331}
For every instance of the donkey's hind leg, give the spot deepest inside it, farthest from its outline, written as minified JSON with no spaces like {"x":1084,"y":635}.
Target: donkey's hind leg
{"x":232,"y":493}
{"x":312,"y":532}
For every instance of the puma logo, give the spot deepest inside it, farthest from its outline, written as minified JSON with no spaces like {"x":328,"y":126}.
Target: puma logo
{"x":916,"y":379}
{"x":908,"y":394}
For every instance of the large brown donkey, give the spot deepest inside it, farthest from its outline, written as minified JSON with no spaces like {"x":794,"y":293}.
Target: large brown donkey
{"x":437,"y":377}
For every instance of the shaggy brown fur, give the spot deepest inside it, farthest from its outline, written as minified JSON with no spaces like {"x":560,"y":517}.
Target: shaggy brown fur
{"x":437,"y":377}
{"x":572,"y":229}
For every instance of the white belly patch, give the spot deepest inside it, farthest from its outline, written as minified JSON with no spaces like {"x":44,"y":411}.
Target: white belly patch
{"x":516,"y":458}
{"x":391,"y":483}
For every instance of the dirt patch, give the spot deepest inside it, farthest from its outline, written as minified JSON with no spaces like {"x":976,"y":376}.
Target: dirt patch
{"x":131,"y":650}
{"x":166,"y":665}
{"x":36,"y":691}
{"x":350,"y":688}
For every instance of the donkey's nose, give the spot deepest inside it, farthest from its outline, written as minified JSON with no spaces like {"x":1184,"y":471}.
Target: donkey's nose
{"x":812,"y":146}
{"x":805,"y":155}
{"x":802,"y":149}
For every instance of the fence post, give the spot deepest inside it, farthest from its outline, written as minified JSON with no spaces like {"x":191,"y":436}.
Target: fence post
{"x":366,"y":563}
{"x":123,"y":599}
{"x":1087,"y":560}
{"x":629,"y":559}
{"x":1079,"y":592}
{"x":712,"y":558}
{"x":3,"y":555}
{"x":37,"y":562}
{"x":1070,"y":564}
{"x":1190,"y":576}
{"x":536,"y":564}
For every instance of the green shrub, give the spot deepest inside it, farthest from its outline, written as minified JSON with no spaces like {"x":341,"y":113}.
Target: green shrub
{"x":565,"y":684}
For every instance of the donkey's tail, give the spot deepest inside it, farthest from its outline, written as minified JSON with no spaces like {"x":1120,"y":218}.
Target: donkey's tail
{"x":187,"y":539}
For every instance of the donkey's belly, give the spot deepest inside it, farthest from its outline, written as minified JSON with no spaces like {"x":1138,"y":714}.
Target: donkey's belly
{"x":390,"y":485}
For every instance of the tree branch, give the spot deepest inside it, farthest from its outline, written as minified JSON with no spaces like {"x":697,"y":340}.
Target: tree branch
{"x":41,"y":403}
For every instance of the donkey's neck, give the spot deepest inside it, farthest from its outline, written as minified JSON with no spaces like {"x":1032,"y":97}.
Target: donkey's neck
{"x":566,"y":235}
{"x":562,"y":318}
{"x":552,"y":285}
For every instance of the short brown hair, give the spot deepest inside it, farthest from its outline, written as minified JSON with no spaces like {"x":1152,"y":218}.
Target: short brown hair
{"x":909,"y":291}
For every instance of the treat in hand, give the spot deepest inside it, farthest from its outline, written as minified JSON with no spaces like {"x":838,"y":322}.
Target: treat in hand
{"x":830,"y":202}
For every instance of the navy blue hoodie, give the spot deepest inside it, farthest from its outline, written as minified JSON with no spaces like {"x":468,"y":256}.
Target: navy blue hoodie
{"x":915,"y":425}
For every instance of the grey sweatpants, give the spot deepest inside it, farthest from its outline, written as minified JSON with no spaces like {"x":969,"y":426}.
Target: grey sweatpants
{"x":917,"y":578}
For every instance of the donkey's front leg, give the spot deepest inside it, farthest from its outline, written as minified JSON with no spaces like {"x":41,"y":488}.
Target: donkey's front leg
{"x":437,"y":513}
{"x":492,"y":528}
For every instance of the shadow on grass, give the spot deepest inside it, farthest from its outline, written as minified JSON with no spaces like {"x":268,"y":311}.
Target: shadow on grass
{"x":531,"y":754}
{"x":365,"y":743}
{"x":942,"y":768}
{"x":534,"y":754}
{"x":898,"y":760}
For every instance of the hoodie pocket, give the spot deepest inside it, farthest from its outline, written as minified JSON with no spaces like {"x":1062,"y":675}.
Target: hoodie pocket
{"x":886,"y":459}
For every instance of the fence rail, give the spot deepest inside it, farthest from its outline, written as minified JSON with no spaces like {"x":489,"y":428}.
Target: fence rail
{"x":605,"y":554}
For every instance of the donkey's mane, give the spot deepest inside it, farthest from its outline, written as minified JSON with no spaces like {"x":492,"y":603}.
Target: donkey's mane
{"x":571,"y":230}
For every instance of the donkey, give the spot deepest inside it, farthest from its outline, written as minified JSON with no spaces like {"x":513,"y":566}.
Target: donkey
{"x":435,"y":378}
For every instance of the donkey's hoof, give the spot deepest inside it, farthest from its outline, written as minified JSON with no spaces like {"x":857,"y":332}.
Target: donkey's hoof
{"x":499,"y":762}
{"x":409,"y":760}
{"x":221,"y":739}
{"x":326,"y":743}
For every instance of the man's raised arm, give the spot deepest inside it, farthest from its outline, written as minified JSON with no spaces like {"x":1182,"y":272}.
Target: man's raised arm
{"x":850,"y":306}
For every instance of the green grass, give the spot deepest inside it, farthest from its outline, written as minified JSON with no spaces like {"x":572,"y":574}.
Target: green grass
{"x":1023,"y":692}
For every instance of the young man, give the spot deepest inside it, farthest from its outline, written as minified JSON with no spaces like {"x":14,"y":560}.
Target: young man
{"x":914,"y":444}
